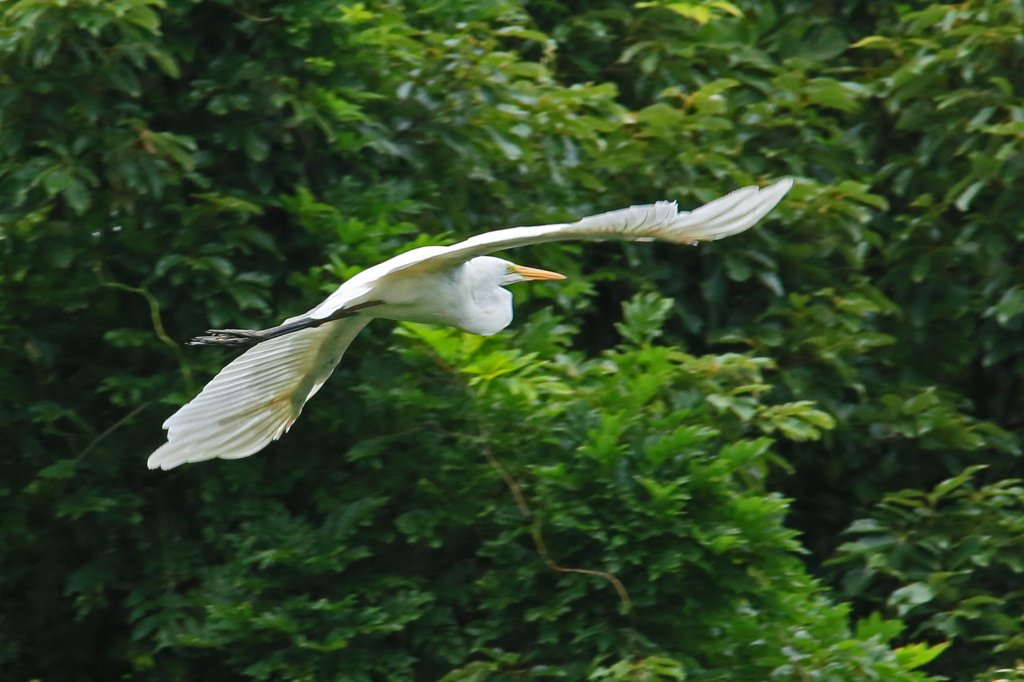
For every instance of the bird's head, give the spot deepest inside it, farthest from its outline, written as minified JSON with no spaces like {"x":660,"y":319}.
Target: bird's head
{"x":510,"y":273}
{"x":487,"y":305}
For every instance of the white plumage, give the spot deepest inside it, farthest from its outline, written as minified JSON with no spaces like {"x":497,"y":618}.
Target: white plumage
{"x":259,"y":395}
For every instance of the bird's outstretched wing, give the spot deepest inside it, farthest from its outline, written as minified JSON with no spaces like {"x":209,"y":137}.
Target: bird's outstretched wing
{"x":257,"y":397}
{"x":661,"y":221}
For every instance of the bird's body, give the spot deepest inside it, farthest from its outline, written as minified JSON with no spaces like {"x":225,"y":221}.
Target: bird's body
{"x":260,"y":394}
{"x":453,"y":295}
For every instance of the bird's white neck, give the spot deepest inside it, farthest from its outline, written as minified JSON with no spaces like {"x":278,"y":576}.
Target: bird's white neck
{"x":488,"y":305}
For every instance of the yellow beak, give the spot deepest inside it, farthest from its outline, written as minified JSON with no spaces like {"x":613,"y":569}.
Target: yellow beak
{"x":535,"y":273}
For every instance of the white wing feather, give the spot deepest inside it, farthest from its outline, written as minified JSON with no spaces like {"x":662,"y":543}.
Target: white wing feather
{"x":662,"y":221}
{"x":257,"y":397}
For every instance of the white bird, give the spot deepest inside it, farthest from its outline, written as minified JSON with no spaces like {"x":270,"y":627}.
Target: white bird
{"x":259,"y":395}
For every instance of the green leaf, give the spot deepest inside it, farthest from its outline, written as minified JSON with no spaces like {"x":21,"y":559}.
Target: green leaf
{"x":832,"y":93}
{"x":876,"y":43}
{"x":951,"y":484}
{"x":77,"y":196}
{"x":61,"y":469}
{"x":643,"y":317}
{"x":229,"y":204}
{"x":256,"y":147}
{"x":963,"y":201}
{"x":917,"y":655}
{"x":910,"y":597}
{"x":877,"y":626}
{"x":1010,"y":305}
{"x":58,"y":180}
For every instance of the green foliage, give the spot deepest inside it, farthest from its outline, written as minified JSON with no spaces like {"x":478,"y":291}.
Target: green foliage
{"x":415,"y":557}
{"x":948,"y":561}
{"x":602,"y":493}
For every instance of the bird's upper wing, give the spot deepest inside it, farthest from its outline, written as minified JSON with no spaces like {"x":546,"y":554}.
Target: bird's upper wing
{"x":661,"y":221}
{"x":257,"y":397}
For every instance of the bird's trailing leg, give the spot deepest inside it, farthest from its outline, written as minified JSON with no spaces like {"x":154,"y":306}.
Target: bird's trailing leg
{"x":232,"y":337}
{"x":237,"y":338}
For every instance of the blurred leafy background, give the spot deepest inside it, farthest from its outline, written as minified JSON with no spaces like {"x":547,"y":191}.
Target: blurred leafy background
{"x":788,"y":455}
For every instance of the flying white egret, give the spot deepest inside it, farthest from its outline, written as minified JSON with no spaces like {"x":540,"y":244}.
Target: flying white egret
{"x":259,"y":395}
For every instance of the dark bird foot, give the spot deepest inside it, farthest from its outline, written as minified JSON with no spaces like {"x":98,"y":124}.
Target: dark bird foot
{"x":234,"y":338}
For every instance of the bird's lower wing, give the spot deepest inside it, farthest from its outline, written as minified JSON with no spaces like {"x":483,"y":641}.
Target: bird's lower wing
{"x":257,"y":397}
{"x":661,"y":221}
